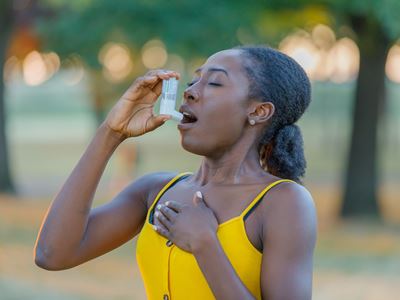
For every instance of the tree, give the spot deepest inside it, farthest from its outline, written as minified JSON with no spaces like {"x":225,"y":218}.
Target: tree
{"x":201,"y":27}
{"x":6,"y":20}
{"x":190,"y":28}
{"x":375,"y":25}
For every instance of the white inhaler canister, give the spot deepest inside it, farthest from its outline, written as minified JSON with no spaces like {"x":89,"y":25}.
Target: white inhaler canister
{"x":168,"y":99}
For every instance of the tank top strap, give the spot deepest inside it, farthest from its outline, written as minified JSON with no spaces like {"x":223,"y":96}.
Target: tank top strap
{"x":259,"y":197}
{"x":167,"y":186}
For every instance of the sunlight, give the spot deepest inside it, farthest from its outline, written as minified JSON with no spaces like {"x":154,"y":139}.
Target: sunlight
{"x":344,"y":60}
{"x":393,"y":64}
{"x":322,"y":56}
{"x":302,"y":49}
{"x":37,"y":68}
{"x":154,"y":54}
{"x":74,"y":70}
{"x":116,"y":60}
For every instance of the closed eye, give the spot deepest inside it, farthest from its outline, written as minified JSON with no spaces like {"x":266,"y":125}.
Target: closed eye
{"x":190,"y":83}
{"x":211,"y":83}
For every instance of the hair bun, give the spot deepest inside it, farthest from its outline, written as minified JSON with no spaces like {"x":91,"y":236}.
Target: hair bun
{"x":284,"y":154}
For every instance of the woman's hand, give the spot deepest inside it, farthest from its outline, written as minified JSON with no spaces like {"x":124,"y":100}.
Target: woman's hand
{"x":133,"y":115}
{"x":187,"y":226}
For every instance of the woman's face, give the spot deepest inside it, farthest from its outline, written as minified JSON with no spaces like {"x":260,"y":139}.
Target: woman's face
{"x":216,"y":100}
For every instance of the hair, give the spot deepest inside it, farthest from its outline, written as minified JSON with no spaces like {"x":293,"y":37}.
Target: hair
{"x":275,"y":77}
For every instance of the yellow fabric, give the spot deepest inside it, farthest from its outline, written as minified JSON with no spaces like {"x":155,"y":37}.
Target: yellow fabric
{"x":171,"y":273}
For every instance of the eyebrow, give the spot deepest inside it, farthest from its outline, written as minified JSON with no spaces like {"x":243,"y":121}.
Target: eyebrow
{"x":213,"y":70}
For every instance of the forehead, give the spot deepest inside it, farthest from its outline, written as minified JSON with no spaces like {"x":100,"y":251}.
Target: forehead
{"x":230,"y":60}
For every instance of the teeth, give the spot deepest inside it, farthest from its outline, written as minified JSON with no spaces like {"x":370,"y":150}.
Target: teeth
{"x":187,"y":114}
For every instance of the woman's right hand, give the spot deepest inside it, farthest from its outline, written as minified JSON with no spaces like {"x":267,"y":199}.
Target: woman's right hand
{"x":133,"y":114}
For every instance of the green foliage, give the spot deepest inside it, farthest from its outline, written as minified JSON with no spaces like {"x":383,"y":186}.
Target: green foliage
{"x":197,"y":27}
{"x":190,"y":28}
{"x":282,"y":14}
{"x":273,"y":25}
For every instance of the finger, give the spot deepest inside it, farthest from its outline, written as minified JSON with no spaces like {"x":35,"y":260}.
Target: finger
{"x":157,"y":223}
{"x":148,"y":81}
{"x":137,"y":86}
{"x":156,"y":121}
{"x":163,"y":231}
{"x":198,"y":199}
{"x":169,"y":75}
{"x":158,"y":88}
{"x":163,"y":220}
{"x":174,"y":205}
{"x":168,"y":212}
{"x":154,"y":82}
{"x":163,"y":74}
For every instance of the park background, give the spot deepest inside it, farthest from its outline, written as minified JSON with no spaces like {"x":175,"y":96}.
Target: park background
{"x":65,"y":63}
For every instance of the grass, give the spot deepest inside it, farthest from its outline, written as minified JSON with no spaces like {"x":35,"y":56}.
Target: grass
{"x":48,"y":131}
{"x":353,"y":260}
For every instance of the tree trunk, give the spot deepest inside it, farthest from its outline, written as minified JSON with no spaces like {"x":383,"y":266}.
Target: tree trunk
{"x":98,"y":94}
{"x":360,"y":196}
{"x":6,"y":183}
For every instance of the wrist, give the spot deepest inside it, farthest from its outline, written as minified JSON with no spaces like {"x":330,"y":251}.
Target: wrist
{"x":111,"y":134}
{"x":204,"y":244}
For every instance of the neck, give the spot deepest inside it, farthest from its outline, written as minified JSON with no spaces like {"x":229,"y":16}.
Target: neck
{"x":238,"y":165}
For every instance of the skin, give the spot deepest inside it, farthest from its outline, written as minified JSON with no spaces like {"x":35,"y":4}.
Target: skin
{"x":228,"y":179}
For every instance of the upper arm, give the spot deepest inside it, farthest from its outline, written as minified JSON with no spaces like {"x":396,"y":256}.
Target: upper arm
{"x":289,"y":235}
{"x":116,"y":222}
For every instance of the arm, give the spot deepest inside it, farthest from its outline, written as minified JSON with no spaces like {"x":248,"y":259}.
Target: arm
{"x":193,"y":229}
{"x":72,"y":233}
{"x":219,"y":272}
{"x":288,"y":243}
{"x":289,"y":237}
{"x":65,"y":222}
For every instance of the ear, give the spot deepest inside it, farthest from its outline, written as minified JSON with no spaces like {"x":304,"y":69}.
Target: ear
{"x":261,"y":112}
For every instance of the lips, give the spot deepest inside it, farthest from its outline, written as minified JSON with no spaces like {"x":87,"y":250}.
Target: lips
{"x":189,"y":118}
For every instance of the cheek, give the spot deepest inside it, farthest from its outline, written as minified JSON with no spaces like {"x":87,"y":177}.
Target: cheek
{"x":222,"y":126}
{"x":226,"y":117}
{"x":214,"y":133}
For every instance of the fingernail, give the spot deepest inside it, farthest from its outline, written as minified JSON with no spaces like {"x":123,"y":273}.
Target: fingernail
{"x":158,"y":206}
{"x":167,"y":203}
{"x":157,"y":214}
{"x":155,"y":227}
{"x":198,"y":194}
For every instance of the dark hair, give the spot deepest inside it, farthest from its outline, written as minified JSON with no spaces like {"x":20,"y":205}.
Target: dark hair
{"x":275,"y":77}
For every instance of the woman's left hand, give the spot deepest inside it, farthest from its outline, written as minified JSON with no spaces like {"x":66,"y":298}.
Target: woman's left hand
{"x":187,"y":226}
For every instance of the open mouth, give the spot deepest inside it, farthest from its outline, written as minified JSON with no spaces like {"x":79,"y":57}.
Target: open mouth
{"x":188,"y":118}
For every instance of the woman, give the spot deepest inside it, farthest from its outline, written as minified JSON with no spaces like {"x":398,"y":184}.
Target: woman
{"x":212,"y":234}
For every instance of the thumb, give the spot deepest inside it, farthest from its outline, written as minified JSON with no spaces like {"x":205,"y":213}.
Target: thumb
{"x":156,"y":121}
{"x":198,"y":199}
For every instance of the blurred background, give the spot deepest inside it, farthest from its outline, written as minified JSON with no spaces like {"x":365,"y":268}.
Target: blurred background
{"x":65,"y":63}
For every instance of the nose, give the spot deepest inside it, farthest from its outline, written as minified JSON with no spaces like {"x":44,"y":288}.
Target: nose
{"x":190,"y":94}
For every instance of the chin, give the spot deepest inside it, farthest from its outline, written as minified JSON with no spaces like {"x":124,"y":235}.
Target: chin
{"x":194,"y":146}
{"x":205,"y":148}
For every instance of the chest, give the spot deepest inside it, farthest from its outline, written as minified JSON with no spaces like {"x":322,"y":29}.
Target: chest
{"x":227,"y":203}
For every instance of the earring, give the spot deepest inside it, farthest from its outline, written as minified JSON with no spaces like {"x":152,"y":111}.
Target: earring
{"x":252,"y":122}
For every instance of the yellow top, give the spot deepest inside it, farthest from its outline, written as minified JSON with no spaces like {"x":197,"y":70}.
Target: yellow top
{"x":170,"y":273}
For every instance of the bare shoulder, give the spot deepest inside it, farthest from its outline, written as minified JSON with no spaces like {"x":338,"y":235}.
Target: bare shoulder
{"x":289,"y":212}
{"x":149,"y":185}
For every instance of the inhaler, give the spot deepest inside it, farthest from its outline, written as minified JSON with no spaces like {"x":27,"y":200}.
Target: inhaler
{"x":168,"y":99}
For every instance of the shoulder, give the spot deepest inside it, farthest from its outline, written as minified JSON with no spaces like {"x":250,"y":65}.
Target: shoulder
{"x":289,"y":214}
{"x":150,"y":184}
{"x":289,"y":235}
